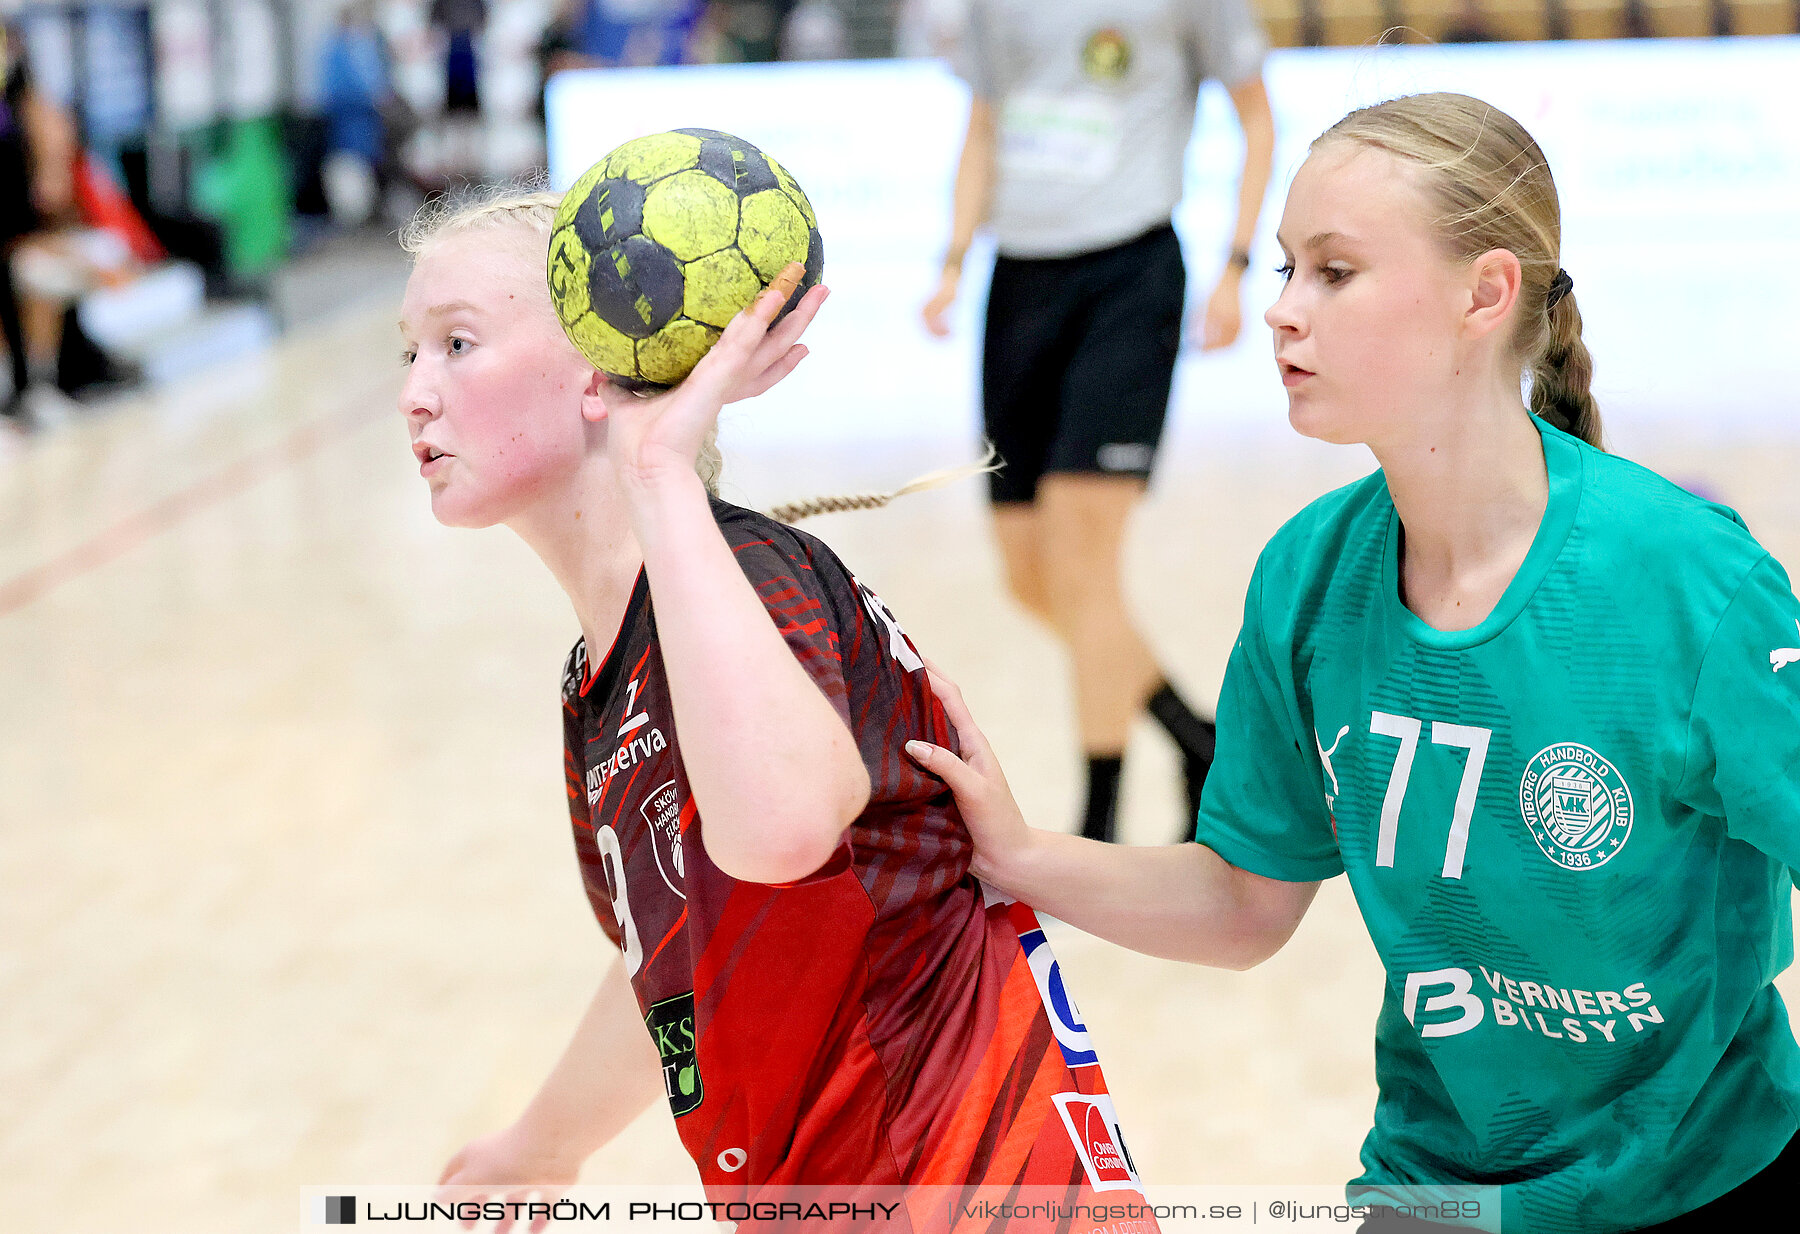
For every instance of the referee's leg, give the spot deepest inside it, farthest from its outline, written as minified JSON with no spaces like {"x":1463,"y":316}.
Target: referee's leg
{"x":1115,"y":399}
{"x":1083,"y":518}
{"x":1024,"y":349}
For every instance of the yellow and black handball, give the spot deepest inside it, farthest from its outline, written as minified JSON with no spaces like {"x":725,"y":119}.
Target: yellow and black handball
{"x":661,"y":242}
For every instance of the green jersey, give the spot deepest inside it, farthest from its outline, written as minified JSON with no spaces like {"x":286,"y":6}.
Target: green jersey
{"x":1569,"y":830}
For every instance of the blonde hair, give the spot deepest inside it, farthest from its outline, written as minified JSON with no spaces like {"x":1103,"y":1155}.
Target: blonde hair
{"x":524,"y":203}
{"x":1492,"y":189}
{"x":794,"y":511}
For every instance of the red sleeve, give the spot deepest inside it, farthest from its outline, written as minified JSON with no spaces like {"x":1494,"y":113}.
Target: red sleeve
{"x":799,"y":604}
{"x":801,"y":609}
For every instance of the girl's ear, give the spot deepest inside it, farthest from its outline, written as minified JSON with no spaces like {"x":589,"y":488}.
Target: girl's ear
{"x":595,"y":397}
{"x":1494,"y":281}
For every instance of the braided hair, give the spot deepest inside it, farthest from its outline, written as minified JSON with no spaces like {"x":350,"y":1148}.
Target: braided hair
{"x":794,"y":511}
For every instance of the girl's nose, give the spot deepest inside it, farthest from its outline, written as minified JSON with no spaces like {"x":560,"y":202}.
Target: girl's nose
{"x":1281,"y":315}
{"x":417,"y":401}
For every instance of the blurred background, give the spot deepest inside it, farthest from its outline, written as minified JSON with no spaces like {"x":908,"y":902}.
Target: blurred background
{"x":235,"y":161}
{"x":285,"y":888}
{"x":227,"y":148}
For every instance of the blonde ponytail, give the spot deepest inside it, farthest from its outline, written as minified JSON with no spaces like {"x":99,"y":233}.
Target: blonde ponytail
{"x":1562,"y":374}
{"x":711,"y":463}
{"x":794,"y":511}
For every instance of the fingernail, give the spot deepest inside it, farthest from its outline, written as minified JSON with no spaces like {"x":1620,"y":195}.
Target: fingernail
{"x":919,"y":750}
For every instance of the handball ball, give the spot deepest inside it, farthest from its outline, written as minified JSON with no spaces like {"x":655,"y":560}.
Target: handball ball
{"x":664,"y":240}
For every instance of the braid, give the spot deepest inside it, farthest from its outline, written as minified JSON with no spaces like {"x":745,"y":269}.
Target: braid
{"x":526,"y":200}
{"x":1562,"y":376}
{"x":710,"y":465}
{"x":794,"y":511}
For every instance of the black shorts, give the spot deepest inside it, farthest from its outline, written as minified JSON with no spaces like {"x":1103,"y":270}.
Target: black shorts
{"x":1744,"y":1207}
{"x":1078,"y":361}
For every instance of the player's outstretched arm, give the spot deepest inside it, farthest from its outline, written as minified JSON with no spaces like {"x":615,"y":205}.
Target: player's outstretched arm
{"x":1182,"y":902}
{"x":774,"y":769}
{"x":608,"y":1075}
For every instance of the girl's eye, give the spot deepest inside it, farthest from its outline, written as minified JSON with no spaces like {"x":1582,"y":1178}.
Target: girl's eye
{"x":407,"y":356}
{"x":458,"y":345}
{"x":1286,"y":272}
{"x":1333,"y":274}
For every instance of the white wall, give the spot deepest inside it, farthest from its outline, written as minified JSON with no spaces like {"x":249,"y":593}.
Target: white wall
{"x":1678,"y":162}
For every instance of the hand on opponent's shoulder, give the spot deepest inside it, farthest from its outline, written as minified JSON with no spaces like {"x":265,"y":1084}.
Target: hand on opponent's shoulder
{"x":1179,"y":901}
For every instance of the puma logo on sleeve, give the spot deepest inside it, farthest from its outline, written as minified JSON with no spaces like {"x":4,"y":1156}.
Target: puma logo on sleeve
{"x":1781,"y":657}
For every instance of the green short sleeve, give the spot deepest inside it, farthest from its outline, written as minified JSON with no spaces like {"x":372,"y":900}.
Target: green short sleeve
{"x":1743,"y":757}
{"x":1264,"y":808}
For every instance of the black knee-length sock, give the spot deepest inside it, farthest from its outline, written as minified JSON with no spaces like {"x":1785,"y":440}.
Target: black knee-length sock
{"x":1099,"y":821}
{"x":1194,"y":734}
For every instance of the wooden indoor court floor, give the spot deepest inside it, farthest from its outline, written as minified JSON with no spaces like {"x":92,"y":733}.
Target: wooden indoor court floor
{"x":286,"y":893}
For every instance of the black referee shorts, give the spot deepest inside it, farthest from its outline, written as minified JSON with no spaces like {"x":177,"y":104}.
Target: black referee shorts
{"x":1078,"y":361}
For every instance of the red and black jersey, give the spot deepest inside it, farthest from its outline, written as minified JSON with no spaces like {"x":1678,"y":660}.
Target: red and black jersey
{"x":880,"y":1022}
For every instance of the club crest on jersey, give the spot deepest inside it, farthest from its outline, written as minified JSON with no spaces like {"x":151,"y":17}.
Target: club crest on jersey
{"x":1576,"y":805}
{"x":662,"y":813}
{"x":1094,"y":1128}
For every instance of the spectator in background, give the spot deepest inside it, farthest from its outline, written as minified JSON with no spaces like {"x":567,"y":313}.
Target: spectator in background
{"x":37,"y":193}
{"x":925,"y":28}
{"x":560,"y":47}
{"x":461,"y":23}
{"x":18,"y":216}
{"x":815,"y":30}
{"x":746,"y":31}
{"x":621,"y":34}
{"x":358,"y":94}
{"x":1470,"y":25}
{"x":1635,"y":21}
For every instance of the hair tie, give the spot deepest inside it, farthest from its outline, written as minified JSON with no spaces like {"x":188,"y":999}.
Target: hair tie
{"x":1560,"y":286}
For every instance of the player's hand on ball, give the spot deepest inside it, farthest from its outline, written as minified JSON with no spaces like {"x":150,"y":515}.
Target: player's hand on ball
{"x":654,"y":436}
{"x":937,"y":309}
{"x":983,"y":796}
{"x":508,"y":1165}
{"x":1224,"y":317}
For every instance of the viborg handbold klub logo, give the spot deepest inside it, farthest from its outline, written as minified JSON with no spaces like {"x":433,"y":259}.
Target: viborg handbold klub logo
{"x":1576,"y":805}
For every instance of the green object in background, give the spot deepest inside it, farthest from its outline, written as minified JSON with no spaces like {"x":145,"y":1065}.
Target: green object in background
{"x":244,"y":185}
